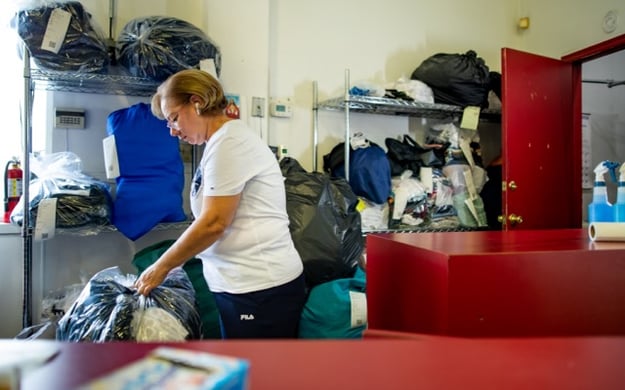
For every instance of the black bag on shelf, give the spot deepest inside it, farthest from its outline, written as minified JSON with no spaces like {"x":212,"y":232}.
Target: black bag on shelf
{"x":457,"y":79}
{"x":156,"y":47}
{"x":83,"y":49}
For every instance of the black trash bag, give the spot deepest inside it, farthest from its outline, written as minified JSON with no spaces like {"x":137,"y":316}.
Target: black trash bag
{"x":457,"y":79}
{"x":324,"y":223}
{"x":83,"y":48}
{"x":156,"y":47}
{"x":109,"y":309}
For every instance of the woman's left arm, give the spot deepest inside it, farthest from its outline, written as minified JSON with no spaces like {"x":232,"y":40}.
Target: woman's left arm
{"x":217,"y":214}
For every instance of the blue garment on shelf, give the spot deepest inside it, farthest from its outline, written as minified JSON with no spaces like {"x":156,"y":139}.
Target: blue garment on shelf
{"x":151,"y":181}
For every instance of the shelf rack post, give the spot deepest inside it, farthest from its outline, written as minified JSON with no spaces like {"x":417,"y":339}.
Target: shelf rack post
{"x":315,"y":140}
{"x":26,"y":231}
{"x":347,"y":130}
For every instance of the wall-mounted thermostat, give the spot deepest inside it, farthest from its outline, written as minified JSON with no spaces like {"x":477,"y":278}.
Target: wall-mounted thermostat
{"x":280,"y":107}
{"x":69,"y":118}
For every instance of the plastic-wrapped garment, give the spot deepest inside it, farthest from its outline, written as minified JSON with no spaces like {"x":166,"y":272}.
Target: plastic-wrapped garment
{"x":324,"y":223}
{"x":81,"y":200}
{"x":83,"y":49}
{"x":156,"y":47}
{"x":206,"y":305}
{"x":109,"y":309}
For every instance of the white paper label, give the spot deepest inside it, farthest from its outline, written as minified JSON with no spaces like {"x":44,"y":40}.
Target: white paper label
{"x":56,"y":30}
{"x":358,"y":308}
{"x":208,"y":66}
{"x":427,"y":178}
{"x":46,"y":219}
{"x":470,"y":118}
{"x":111,"y":163}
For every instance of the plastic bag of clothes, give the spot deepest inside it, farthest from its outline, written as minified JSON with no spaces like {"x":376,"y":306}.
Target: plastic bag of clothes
{"x":81,"y":48}
{"x":80,"y":199}
{"x":156,"y":47}
{"x":324,"y":223}
{"x":458,"y":79}
{"x":206,"y":305}
{"x":110,"y":309}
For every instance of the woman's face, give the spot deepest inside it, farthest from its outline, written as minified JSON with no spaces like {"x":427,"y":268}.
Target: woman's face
{"x":183,"y":122}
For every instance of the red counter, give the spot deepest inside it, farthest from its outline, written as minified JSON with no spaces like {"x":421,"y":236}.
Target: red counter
{"x":422,"y":362}
{"x":517,"y":283}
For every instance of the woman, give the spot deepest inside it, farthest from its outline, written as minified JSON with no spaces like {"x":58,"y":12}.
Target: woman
{"x":240,"y":230}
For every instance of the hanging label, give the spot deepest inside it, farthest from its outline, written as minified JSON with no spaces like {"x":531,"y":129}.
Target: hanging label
{"x":56,"y":30}
{"x":111,"y":163}
{"x":427,"y":178}
{"x":470,"y":118}
{"x":358,"y":308}
{"x":46,"y":219}
{"x":466,"y":150}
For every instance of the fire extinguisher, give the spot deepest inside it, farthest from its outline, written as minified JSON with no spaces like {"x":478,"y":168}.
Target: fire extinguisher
{"x":12,"y":186}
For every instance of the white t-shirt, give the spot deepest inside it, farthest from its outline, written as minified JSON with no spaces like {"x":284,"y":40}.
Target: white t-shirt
{"x":256,"y":251}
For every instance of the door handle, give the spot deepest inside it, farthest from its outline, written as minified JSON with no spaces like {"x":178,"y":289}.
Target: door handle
{"x":515,"y":219}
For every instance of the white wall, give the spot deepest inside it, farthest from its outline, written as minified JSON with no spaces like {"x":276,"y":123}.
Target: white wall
{"x":559,"y":27}
{"x":377,"y":42}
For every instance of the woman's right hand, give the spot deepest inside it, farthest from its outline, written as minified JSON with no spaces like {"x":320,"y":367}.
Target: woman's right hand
{"x":150,"y":278}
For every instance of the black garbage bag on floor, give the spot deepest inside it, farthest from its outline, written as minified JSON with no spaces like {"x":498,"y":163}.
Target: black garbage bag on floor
{"x":324,"y":223}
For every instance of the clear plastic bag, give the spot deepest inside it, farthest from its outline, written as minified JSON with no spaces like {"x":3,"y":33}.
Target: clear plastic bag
{"x":81,"y":199}
{"x":110,"y":309}
{"x":83,"y":48}
{"x":156,"y":47}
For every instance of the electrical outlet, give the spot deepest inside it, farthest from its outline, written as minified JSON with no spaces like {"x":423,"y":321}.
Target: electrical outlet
{"x":258,"y":106}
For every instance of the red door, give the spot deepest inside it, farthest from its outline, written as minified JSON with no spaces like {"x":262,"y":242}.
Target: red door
{"x":539,"y":148}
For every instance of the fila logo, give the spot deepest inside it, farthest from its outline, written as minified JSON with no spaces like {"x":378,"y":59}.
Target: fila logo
{"x":247,"y":317}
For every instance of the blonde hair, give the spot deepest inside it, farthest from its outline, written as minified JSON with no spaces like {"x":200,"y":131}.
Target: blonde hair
{"x":180,"y":86}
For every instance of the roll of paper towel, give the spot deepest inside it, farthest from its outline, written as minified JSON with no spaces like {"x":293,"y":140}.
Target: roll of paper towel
{"x":606,"y":231}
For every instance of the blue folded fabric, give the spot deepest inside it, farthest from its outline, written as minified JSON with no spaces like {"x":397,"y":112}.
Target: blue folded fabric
{"x":151,"y":181}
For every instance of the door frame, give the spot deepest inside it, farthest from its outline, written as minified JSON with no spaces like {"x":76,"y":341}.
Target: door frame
{"x":577,"y":59}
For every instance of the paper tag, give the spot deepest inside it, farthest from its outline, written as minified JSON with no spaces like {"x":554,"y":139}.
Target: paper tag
{"x":426,"y":177}
{"x":466,"y":150}
{"x":208,"y":66}
{"x":470,"y":118}
{"x":358,"y":308}
{"x":111,"y":162}
{"x":56,"y":30}
{"x":46,"y":219}
{"x":468,"y":178}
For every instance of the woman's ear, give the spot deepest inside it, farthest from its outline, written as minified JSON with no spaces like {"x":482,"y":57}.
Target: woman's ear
{"x":197,"y":108}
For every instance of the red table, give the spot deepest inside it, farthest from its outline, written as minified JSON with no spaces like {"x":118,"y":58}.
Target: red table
{"x":517,"y":283}
{"x":422,"y":362}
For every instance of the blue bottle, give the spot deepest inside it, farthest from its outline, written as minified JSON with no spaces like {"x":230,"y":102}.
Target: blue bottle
{"x":600,"y":209}
{"x":619,"y":206}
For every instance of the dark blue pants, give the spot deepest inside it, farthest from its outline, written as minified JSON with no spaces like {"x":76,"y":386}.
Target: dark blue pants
{"x":270,"y":313}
